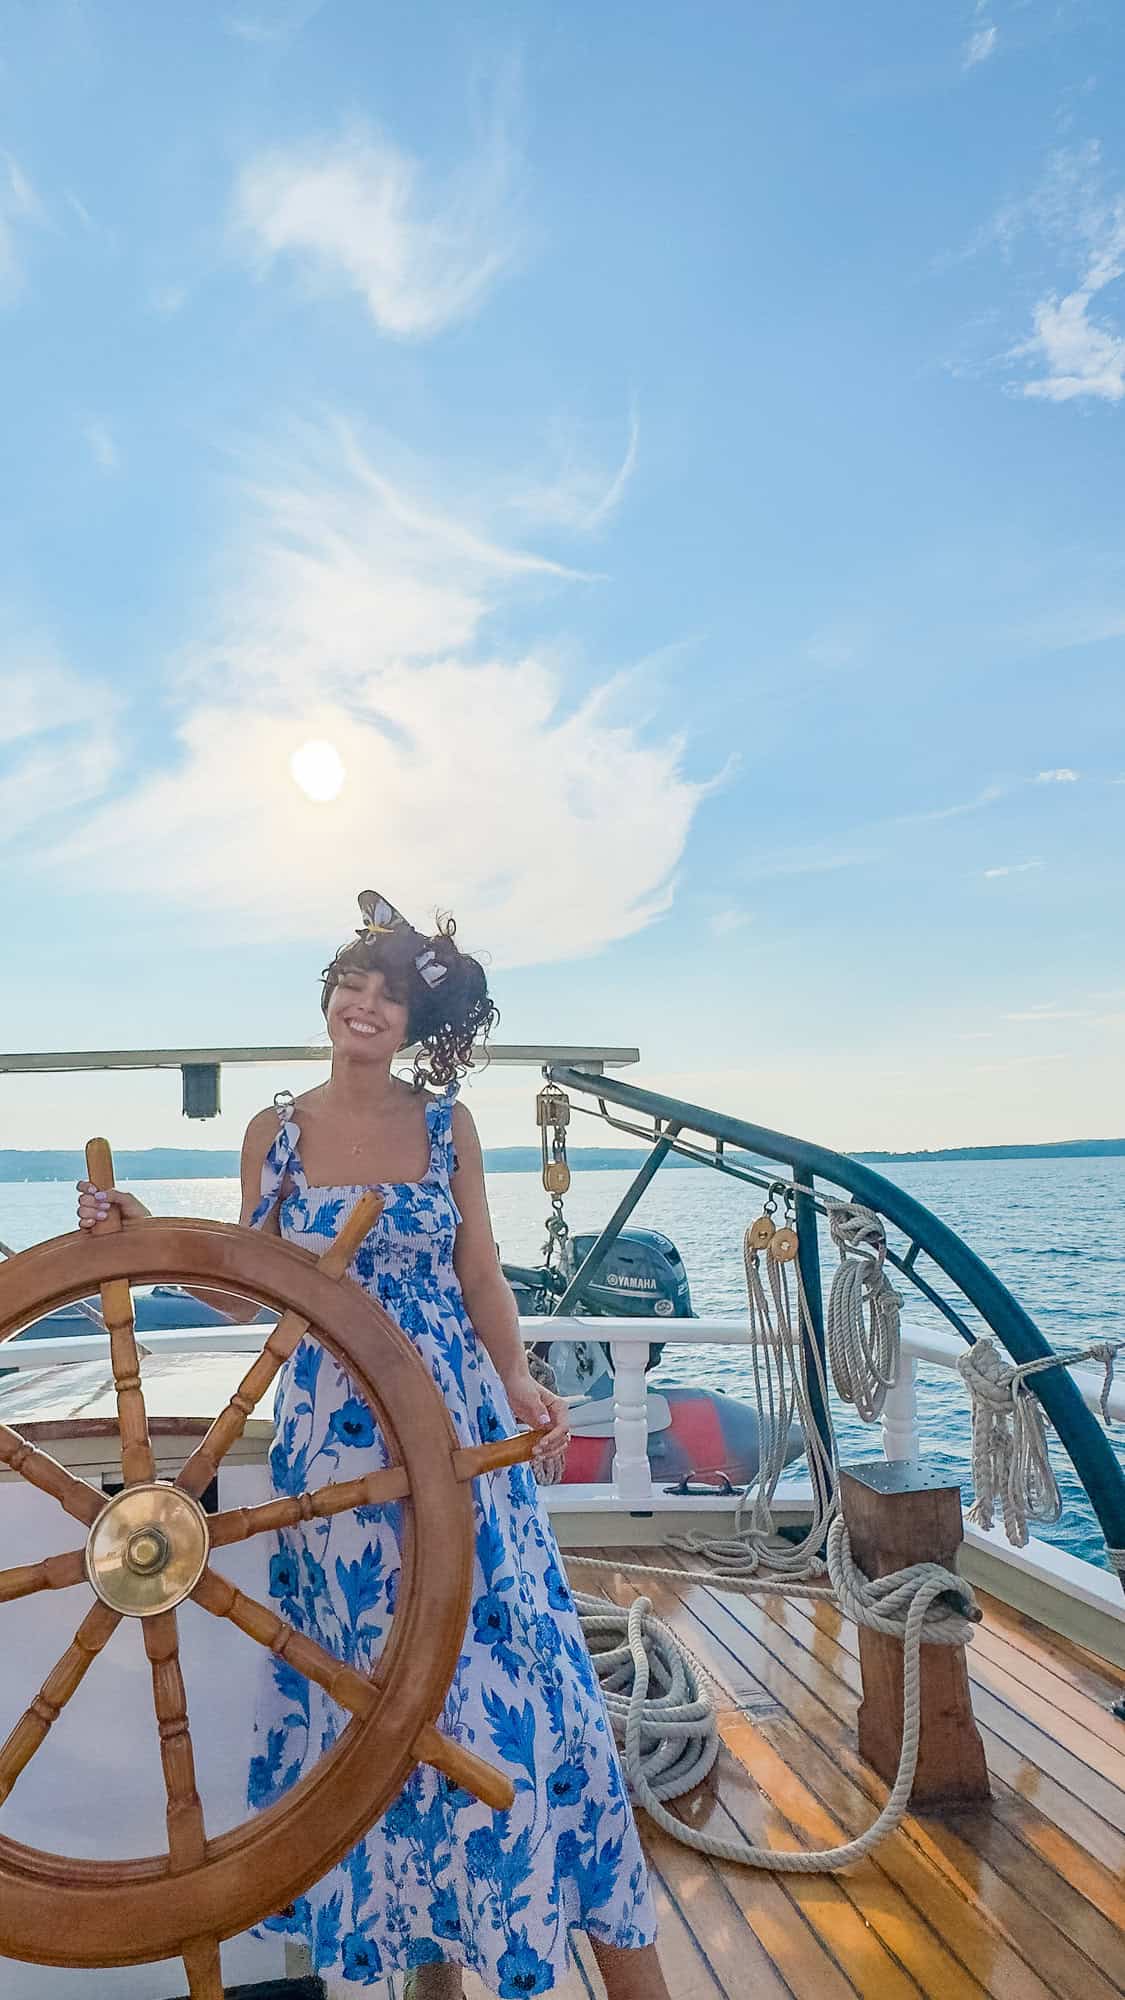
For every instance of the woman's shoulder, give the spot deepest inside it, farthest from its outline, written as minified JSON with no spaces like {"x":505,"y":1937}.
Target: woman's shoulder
{"x":465,"y":1136}
{"x":265,"y":1124}
{"x":261,"y":1131}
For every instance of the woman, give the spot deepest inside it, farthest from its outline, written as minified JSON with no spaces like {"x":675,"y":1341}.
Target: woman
{"x":442,"y":1881}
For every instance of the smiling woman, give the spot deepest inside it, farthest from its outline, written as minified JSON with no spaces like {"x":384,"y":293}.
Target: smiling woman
{"x":440,"y":1882}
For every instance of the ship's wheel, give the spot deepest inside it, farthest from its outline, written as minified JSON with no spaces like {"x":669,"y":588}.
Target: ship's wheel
{"x":150,"y":1547}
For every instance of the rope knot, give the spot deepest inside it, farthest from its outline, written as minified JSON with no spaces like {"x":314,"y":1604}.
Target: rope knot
{"x":925,"y":1599}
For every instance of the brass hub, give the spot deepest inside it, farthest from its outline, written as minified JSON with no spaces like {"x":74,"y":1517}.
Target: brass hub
{"x":147,"y":1549}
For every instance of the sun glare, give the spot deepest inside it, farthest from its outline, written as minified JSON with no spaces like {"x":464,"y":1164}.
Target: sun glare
{"x":318,"y":769}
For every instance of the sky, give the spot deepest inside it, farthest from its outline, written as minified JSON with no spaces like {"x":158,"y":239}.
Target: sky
{"x":666,"y":463}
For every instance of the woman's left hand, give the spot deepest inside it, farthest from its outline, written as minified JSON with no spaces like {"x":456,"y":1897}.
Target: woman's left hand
{"x":543,"y":1411}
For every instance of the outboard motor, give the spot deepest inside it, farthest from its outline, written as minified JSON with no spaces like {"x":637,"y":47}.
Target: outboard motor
{"x":642,"y":1277}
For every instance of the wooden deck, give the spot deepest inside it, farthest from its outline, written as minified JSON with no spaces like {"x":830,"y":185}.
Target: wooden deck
{"x":1022,"y":1899}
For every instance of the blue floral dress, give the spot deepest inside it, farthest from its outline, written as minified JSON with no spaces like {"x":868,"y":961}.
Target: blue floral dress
{"x":441,"y":1876}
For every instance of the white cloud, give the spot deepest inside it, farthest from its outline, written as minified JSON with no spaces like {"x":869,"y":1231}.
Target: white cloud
{"x":583,"y":495}
{"x":980,"y":45}
{"x":57,"y":748}
{"x":1080,"y":357}
{"x":838,"y":644}
{"x":823,"y":860}
{"x":356,"y":213}
{"x":1019,"y":1062}
{"x":167,"y":300}
{"x":278,"y":21}
{"x":102,"y":444}
{"x":987,"y":797}
{"x":355,"y":616}
{"x":725,"y":922}
{"x":19,"y":207}
{"x":1013,"y":868}
{"x":1049,"y":1014}
{"x":1071,"y":209}
{"x":1063,"y":776}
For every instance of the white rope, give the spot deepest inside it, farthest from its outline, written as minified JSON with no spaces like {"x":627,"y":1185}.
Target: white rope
{"x":1011,"y":1464}
{"x":862,"y":1315}
{"x":781,"y":1344}
{"x":670,"y":1739}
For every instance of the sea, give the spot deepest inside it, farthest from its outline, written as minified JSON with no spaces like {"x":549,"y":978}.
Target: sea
{"x":1053,"y":1230}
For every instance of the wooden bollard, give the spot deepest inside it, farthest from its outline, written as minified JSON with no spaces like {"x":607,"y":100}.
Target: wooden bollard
{"x":897,"y":1514}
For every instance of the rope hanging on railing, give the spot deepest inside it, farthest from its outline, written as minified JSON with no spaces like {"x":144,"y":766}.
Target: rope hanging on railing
{"x":782,"y":1343}
{"x":670,"y":1738}
{"x":862,"y":1331}
{"x":1011,"y":1464}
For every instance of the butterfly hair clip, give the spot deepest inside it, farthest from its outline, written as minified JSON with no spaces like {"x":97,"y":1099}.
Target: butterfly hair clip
{"x":380,"y":919}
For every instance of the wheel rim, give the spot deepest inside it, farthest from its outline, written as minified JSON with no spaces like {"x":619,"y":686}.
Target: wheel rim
{"x":90,"y":1913}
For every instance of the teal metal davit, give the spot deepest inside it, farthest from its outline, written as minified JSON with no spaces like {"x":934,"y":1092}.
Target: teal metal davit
{"x":675,"y":1127}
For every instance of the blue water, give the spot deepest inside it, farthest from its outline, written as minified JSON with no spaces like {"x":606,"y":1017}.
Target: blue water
{"x":1053,"y":1231}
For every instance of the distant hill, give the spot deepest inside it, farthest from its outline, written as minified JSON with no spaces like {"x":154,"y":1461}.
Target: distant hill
{"x":1058,"y":1149}
{"x":176,"y":1163}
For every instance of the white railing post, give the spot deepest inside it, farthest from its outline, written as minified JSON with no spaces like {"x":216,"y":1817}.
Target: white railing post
{"x":900,"y":1411}
{"x":632,"y":1474}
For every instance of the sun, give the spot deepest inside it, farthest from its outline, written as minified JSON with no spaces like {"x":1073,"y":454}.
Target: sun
{"x":318,"y":769}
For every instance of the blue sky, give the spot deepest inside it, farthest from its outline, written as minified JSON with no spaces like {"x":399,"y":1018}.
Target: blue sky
{"x":672,"y":456}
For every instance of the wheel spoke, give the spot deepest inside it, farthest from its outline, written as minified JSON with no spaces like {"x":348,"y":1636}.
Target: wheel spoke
{"x":347,"y":1687}
{"x":137,"y":1462}
{"x":224,"y":1600}
{"x":31,"y":1730}
{"x":462,"y":1768}
{"x":474,"y":1459}
{"x":187,"y":1835}
{"x":287,"y":1335}
{"x":53,"y":1573}
{"x":204,"y":1969}
{"x":376,"y":1489}
{"x":75,"y":1496}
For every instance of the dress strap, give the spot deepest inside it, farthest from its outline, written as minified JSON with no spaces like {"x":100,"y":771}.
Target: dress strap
{"x":282,"y":1162}
{"x":439,"y":1118}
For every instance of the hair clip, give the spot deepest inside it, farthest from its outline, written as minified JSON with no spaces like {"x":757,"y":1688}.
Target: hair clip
{"x":431,"y":968}
{"x":380,"y":919}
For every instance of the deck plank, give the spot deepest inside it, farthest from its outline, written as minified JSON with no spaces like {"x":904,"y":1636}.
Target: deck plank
{"x":710,"y":1928}
{"x":1040,"y":1678}
{"x":870,"y":1928}
{"x":984,"y":1955}
{"x":1090,"y":1852}
{"x":712,"y":1896}
{"x":1099,"y":1679}
{"x":1080,"y":1921}
{"x":1022,"y":1757}
{"x":1005,"y":1900}
{"x":1086,"y":1751}
{"x":1042,"y":1768}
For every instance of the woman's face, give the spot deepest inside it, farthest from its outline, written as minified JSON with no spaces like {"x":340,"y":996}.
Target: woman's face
{"x":363,"y":1020}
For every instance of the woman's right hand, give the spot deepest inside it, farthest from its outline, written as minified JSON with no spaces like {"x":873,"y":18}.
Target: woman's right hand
{"x":96,"y":1204}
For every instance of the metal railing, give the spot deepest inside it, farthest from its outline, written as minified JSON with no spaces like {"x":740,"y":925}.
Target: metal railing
{"x":1081,"y":1435}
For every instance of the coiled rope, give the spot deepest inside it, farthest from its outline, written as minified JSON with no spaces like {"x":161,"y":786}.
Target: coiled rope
{"x":861,"y":1322}
{"x":661,"y":1716}
{"x":670,"y":1738}
{"x":1011,"y":1464}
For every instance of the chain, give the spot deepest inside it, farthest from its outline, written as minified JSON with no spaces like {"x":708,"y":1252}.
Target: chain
{"x":552,"y":1111}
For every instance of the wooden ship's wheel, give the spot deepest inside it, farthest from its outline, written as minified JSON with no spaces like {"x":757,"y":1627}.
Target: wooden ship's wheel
{"x":148,"y":1549}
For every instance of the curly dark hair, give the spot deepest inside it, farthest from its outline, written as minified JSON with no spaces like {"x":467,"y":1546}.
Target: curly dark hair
{"x":443,"y":1022}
